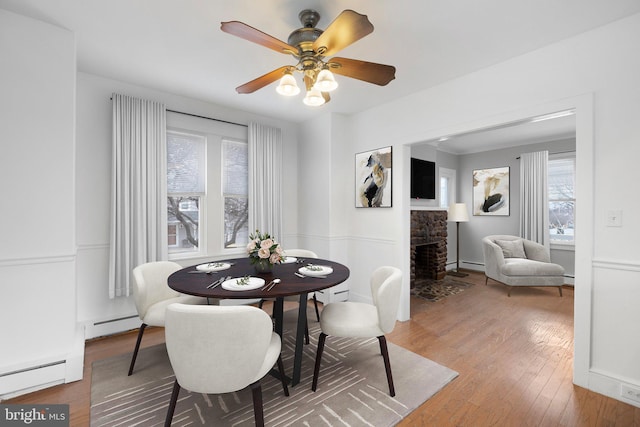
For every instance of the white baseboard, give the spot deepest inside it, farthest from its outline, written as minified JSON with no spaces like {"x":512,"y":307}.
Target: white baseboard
{"x":45,"y":373}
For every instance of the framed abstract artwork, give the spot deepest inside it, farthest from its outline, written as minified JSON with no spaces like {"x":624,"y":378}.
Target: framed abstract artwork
{"x":373,"y":178}
{"x":491,"y":191}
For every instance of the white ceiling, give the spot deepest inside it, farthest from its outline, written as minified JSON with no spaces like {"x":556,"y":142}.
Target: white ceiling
{"x":177,"y":45}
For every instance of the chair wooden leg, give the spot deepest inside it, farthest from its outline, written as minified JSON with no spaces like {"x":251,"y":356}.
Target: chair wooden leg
{"x":283,"y":377}
{"x":560,"y":290}
{"x":316,"y":370}
{"x":509,"y":292}
{"x":486,"y":280}
{"x":387,"y":365}
{"x":306,"y":331}
{"x":135,"y":351}
{"x":315,"y":305}
{"x":172,"y":404}
{"x":256,"y":391}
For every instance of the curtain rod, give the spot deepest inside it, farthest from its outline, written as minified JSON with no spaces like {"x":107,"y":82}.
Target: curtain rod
{"x":203,"y":117}
{"x":557,"y":152}
{"x":208,"y":118}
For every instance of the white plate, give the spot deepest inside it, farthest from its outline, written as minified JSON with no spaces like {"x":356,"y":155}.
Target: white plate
{"x":316,"y":270}
{"x":232,"y":284}
{"x":213,"y":266}
{"x":289,"y":259}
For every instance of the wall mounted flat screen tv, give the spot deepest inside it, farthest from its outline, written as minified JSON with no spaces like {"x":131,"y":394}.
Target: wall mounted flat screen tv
{"x":423,"y":179}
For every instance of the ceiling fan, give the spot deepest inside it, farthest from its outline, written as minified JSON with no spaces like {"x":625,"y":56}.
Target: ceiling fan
{"x":311,"y":47}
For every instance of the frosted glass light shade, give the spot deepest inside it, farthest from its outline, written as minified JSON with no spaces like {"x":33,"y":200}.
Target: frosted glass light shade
{"x":458,"y":213}
{"x":325,"y":82}
{"x":288,"y":86}
{"x":314,"y":98}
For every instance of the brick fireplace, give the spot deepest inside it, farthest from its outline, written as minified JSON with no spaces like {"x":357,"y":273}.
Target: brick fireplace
{"x":428,"y":245}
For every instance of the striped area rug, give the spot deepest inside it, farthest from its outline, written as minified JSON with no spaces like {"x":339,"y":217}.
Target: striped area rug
{"x":352,"y":390}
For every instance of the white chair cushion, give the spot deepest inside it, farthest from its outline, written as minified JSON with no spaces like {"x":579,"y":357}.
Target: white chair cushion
{"x":512,"y":248}
{"x":350,"y":319}
{"x":528,"y":267}
{"x":156,"y":313}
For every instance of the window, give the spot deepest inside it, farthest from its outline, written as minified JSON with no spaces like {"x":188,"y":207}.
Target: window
{"x":185,"y":190}
{"x":562,"y":198}
{"x":235,"y":191}
{"x":447,"y":187}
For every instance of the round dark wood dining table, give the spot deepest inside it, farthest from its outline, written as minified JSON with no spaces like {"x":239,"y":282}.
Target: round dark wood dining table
{"x":187,"y":282}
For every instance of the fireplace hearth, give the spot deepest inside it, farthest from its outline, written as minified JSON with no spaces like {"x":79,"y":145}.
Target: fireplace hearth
{"x":428,"y":245}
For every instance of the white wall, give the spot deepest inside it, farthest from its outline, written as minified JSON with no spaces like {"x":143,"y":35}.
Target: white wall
{"x":597,"y":73}
{"x":93,"y":182}
{"x":37,"y":255}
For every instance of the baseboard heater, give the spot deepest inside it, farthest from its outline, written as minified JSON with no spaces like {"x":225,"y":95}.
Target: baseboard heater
{"x":33,"y":378}
{"x":111,"y":326}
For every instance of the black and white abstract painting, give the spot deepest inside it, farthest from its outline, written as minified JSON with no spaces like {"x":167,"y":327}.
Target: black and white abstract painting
{"x":373,"y":178}
{"x":491,"y":191}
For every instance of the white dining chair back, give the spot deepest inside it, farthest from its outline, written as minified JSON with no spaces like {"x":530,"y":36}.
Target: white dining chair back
{"x":150,"y":287}
{"x":300,"y":253}
{"x":386,"y":283}
{"x":221,"y":349}
{"x":360,"y":320}
{"x":152,"y":295}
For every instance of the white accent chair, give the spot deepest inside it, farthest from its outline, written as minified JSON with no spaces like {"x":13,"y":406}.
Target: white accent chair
{"x":514,"y":261}
{"x":218,"y":349}
{"x":360,"y":320}
{"x":152,"y":295}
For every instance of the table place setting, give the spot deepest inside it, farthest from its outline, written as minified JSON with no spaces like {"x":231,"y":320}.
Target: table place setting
{"x":218,"y":282}
{"x":245,"y":283}
{"x":211,"y":267}
{"x":316,"y":271}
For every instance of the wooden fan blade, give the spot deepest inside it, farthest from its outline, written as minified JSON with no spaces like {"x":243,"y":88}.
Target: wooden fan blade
{"x":262,"y":81}
{"x":347,"y":28}
{"x":326,"y":97}
{"x":370,"y":72}
{"x":251,"y":34}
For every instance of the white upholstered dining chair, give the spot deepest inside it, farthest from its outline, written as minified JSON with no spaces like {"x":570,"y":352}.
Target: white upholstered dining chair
{"x":152,"y":295}
{"x":361,"y":320}
{"x":221,"y":349}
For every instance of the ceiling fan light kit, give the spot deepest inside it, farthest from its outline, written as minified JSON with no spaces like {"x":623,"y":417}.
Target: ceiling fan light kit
{"x":311,"y":47}
{"x":288,"y":85}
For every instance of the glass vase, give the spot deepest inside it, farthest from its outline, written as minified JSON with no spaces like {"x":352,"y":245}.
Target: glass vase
{"x":263,"y":266}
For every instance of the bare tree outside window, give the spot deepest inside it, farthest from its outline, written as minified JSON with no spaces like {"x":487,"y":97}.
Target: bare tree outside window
{"x":235,"y":190}
{"x":185,"y":187}
{"x":561,"y":199}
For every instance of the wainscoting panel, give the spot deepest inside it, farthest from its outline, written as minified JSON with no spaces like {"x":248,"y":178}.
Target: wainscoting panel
{"x":616,"y":317}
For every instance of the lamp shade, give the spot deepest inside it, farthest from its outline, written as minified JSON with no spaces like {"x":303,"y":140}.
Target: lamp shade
{"x":458,"y":213}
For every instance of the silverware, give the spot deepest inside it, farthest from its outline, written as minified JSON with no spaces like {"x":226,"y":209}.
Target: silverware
{"x":218,"y":282}
{"x":264,"y":288}
{"x":273,"y":283}
{"x":313,"y":277}
{"x":200,"y":271}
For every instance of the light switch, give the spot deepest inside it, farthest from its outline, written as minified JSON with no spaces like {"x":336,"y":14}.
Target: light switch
{"x":614,"y":218}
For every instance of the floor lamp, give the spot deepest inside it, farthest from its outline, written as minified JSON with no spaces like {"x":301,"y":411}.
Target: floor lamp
{"x":458,"y":213}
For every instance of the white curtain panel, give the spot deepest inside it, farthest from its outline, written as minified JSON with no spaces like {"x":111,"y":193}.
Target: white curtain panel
{"x":534,"y":197}
{"x":265,"y":180}
{"x":138,"y":189}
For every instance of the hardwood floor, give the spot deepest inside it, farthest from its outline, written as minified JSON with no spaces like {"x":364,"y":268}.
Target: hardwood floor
{"x":514,"y":356}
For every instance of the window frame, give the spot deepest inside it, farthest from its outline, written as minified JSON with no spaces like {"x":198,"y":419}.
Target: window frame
{"x":563,"y":244}
{"x":211,"y":221}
